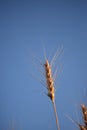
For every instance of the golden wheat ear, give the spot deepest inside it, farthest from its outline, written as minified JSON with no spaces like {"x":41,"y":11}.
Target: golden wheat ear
{"x":49,"y":81}
{"x":84,"y":110}
{"x":50,"y":88}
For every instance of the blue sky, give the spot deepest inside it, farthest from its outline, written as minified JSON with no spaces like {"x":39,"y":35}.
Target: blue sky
{"x":25,"y":27}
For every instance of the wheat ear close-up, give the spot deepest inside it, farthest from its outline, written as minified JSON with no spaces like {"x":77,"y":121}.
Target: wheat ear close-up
{"x":49,"y":81}
{"x":51,"y":89}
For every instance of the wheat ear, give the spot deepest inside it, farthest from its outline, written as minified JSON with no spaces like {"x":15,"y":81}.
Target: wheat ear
{"x":49,"y":81}
{"x":50,"y":88}
{"x":84,"y":110}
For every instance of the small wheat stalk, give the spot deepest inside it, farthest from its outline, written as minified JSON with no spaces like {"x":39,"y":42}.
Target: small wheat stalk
{"x":50,"y":88}
{"x":49,"y":82}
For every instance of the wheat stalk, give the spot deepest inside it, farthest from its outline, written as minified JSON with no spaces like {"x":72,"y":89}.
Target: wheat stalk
{"x":49,"y":81}
{"x":50,"y":88}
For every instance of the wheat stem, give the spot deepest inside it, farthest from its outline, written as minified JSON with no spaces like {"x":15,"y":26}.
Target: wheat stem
{"x":56,"y":116}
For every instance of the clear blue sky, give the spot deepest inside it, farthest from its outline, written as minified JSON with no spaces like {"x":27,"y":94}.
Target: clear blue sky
{"x":25,"y":27}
